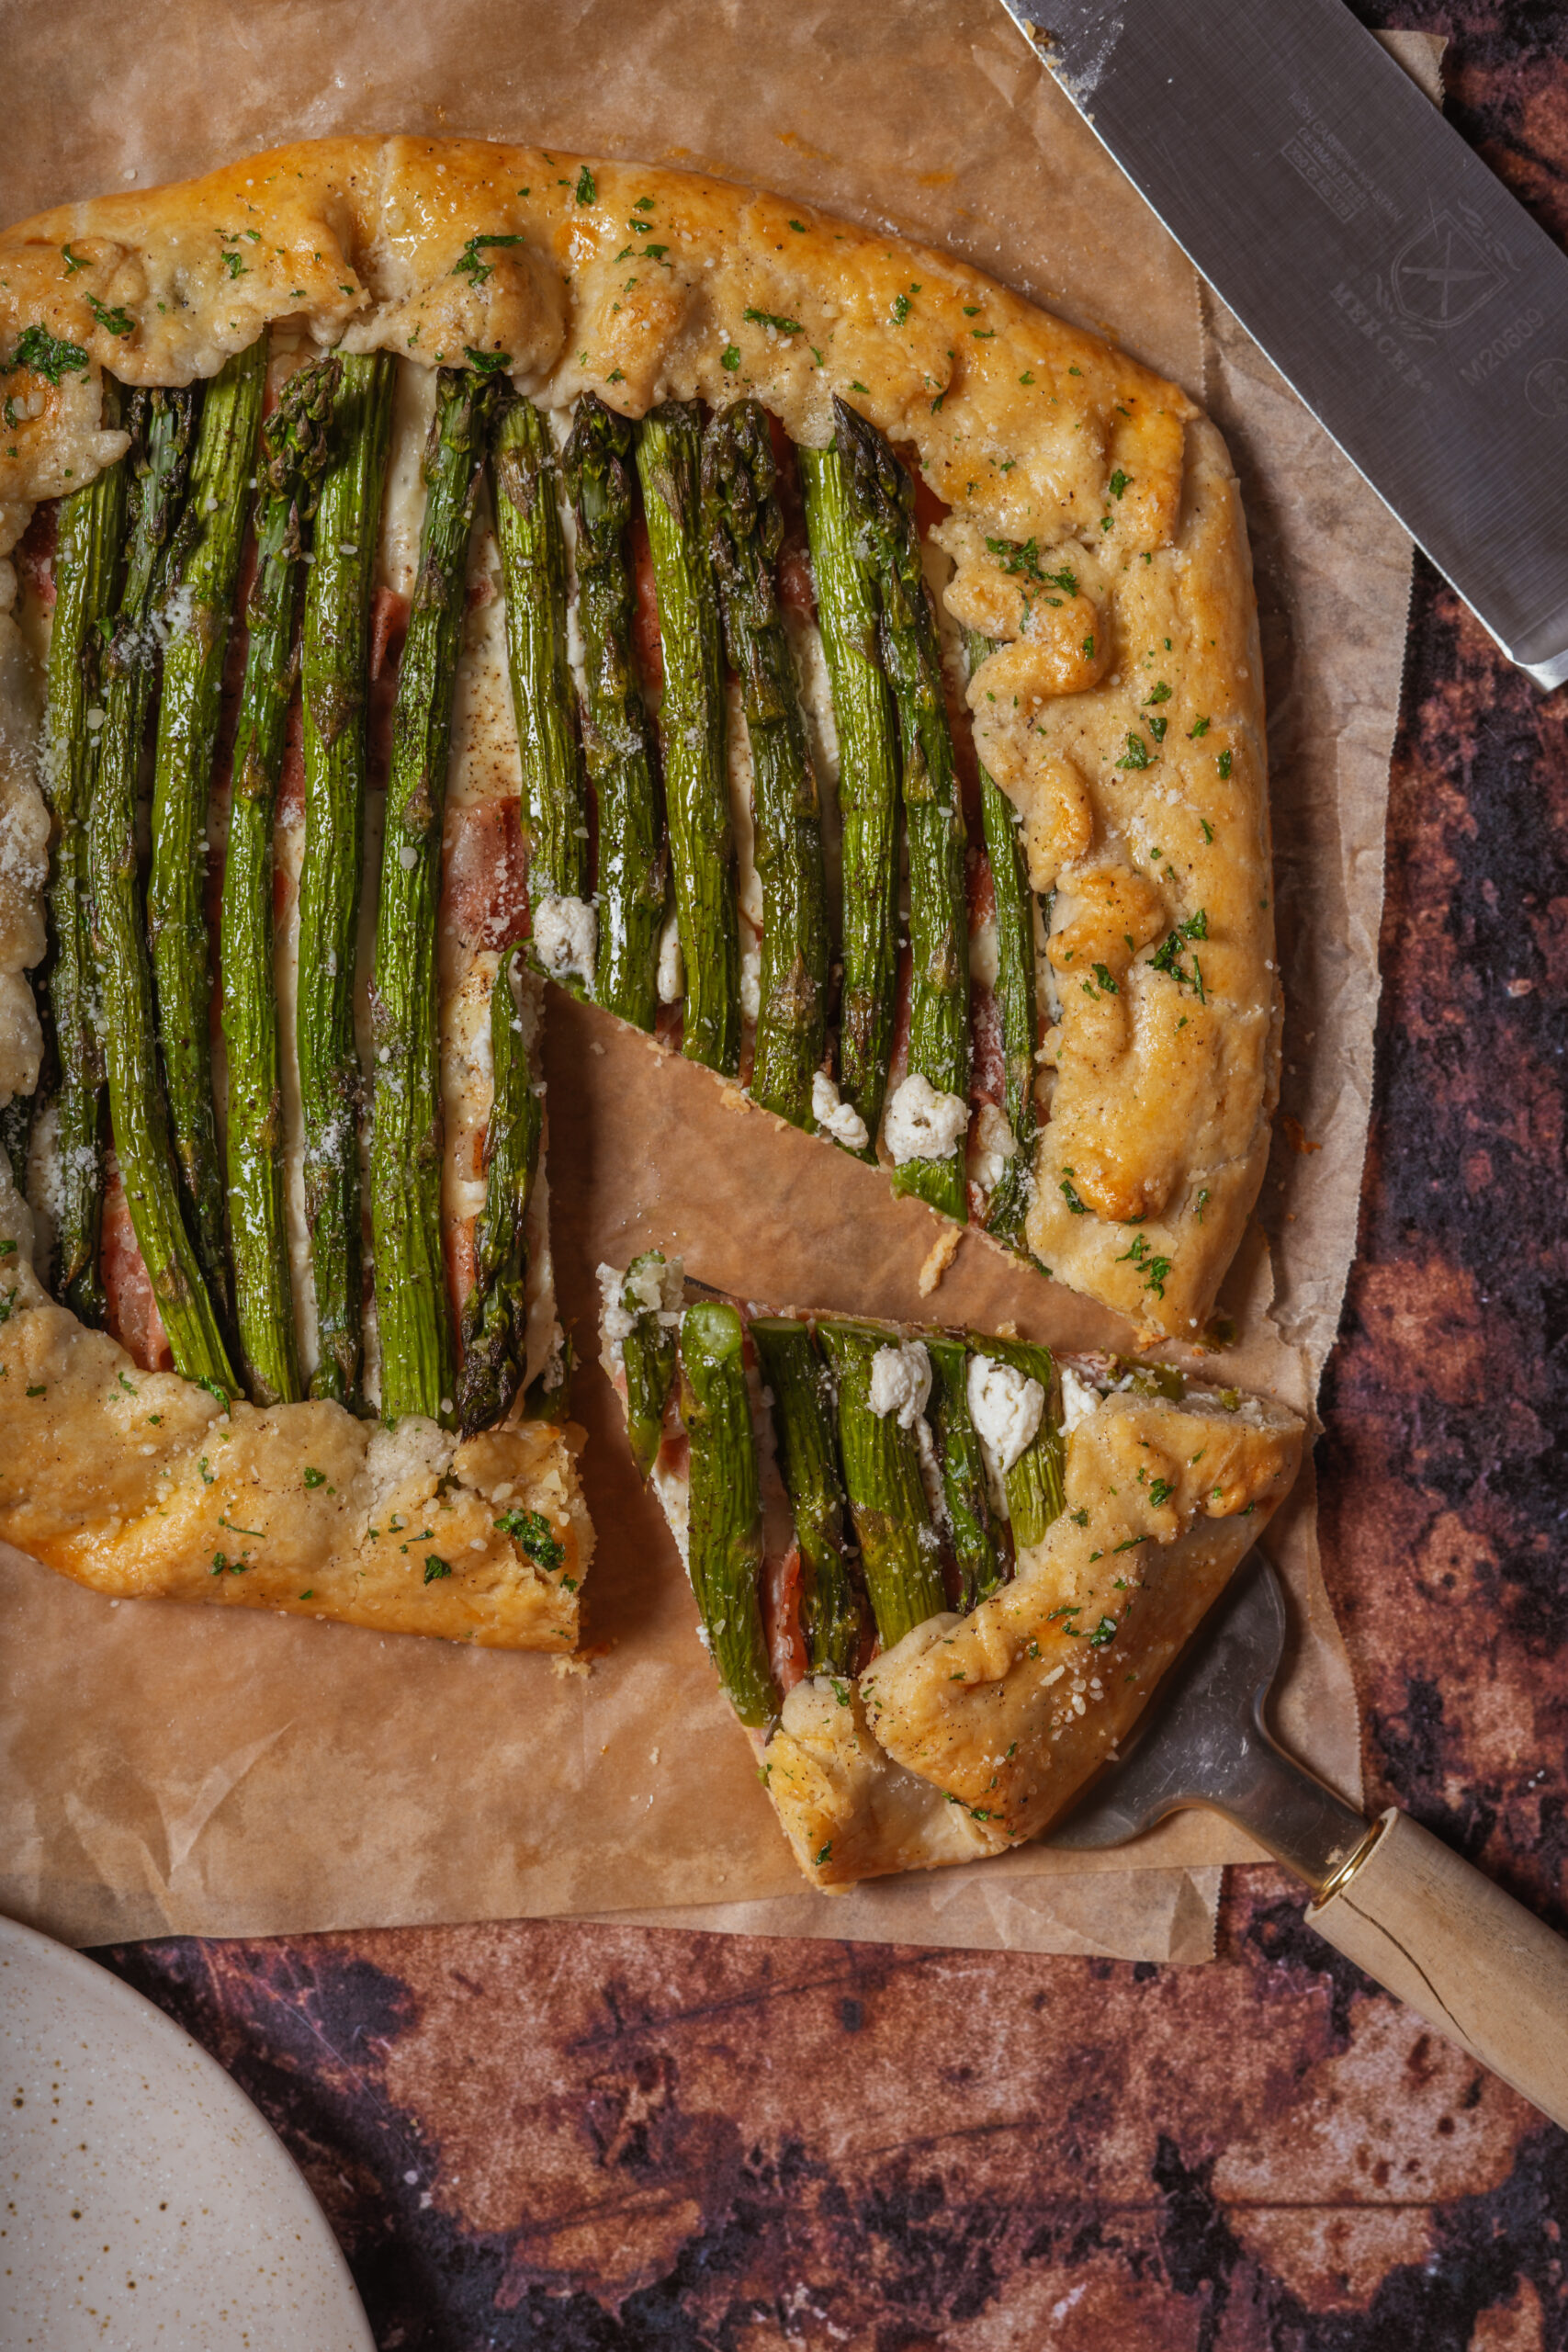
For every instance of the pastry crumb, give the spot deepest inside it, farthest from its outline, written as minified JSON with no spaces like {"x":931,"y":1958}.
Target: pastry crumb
{"x":939,"y":1256}
{"x":733,"y":1100}
{"x":567,"y":1667}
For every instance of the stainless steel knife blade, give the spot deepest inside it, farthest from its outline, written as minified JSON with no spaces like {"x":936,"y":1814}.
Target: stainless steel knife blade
{"x":1412,"y":302}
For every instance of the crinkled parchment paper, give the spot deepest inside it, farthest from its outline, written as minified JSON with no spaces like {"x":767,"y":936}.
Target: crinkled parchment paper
{"x":167,"y":1767}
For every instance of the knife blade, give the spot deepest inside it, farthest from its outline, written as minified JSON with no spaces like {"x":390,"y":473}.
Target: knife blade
{"x":1412,"y":302}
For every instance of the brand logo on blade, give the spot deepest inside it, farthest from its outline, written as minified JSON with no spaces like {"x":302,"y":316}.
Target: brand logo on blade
{"x":1447,"y":271}
{"x":1546,"y":388}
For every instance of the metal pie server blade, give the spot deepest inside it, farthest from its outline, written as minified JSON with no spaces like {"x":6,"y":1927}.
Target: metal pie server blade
{"x":1425,"y":1923}
{"x":1204,"y":1741}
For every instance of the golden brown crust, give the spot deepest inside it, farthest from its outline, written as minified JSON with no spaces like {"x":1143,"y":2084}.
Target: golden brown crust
{"x":1034,"y":433}
{"x":140,"y":1484}
{"x":1004,"y":1714}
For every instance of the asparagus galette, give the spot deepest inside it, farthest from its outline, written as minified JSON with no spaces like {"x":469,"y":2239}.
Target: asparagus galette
{"x":783,"y":636}
{"x":939,"y":1574}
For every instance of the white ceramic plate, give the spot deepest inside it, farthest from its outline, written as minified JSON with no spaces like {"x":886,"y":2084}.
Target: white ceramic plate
{"x":148,"y":2207}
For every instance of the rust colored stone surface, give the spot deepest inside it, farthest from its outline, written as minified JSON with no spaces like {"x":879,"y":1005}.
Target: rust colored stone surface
{"x":584,"y":2139}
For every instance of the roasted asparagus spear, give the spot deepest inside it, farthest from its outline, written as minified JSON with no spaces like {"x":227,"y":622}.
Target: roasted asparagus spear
{"x":805,"y":1426}
{"x":725,"y":1531}
{"x":744,"y":529}
{"x":162,"y":428}
{"x":86,"y":571}
{"x":881,"y":1455}
{"x":933,"y":815}
{"x":495,"y":1313}
{"x":618,"y":736}
{"x":691,"y":724}
{"x":525,"y":482}
{"x":1015,"y":989}
{"x":201,"y":600}
{"x":294,"y":452}
{"x":334,"y":661}
{"x":418,"y":1365}
{"x":838,"y":530}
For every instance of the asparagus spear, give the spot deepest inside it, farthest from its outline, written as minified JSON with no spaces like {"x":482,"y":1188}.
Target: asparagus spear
{"x":725,"y":1533}
{"x":691,"y":722}
{"x":617,"y":739}
{"x":744,"y":530}
{"x":1015,"y":985}
{"x":294,"y":453}
{"x":933,"y":816}
{"x":202,"y":587}
{"x":808,"y":1458}
{"x":1033,"y":1485}
{"x":86,"y":563}
{"x":162,"y":427}
{"x":882,"y":1472}
{"x":962,"y":1472}
{"x":334,"y":662}
{"x":647,"y":1351}
{"x":868,"y":781}
{"x":417,"y":1362}
{"x":533,"y":556}
{"x":17,"y":1134}
{"x":495,"y":1313}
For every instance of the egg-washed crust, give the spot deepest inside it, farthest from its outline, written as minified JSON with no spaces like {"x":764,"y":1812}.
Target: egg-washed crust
{"x":1003,"y":1715}
{"x":1130,"y":602}
{"x":141,"y":1484}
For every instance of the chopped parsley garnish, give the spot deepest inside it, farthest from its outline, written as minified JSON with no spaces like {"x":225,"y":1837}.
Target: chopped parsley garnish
{"x":1103,"y":975}
{"x":586,"y":191}
{"x":824,"y":1855}
{"x":73,"y":262}
{"x":779,"y":326}
{"x":1201,"y":1203}
{"x":531,"y":1531}
{"x":315,"y":1477}
{"x":1224,"y":764}
{"x":1198,"y":729}
{"x":470,"y":264}
{"x":1161,"y":1492}
{"x":235,"y":267}
{"x":1104,"y":1633}
{"x":1080,"y":1518}
{"x":730,"y":358}
{"x":486,"y":363}
{"x":1136,"y":754}
{"x":436,"y":1567}
{"x":1154,"y":1271}
{"x":1079,"y":1208}
{"x":111,"y":321}
{"x":799,"y":228}
{"x":48,"y":354}
{"x":1167,"y":957}
{"x":1119,"y":481}
{"x":1160,"y":693}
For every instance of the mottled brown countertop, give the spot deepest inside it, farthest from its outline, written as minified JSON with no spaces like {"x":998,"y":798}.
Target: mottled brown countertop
{"x":578,"y":2138}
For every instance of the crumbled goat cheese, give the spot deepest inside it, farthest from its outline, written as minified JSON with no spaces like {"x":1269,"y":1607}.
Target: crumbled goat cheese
{"x":994,"y":1145}
{"x":672,"y":965}
{"x":566,"y":935}
{"x":1078,"y":1400}
{"x":1005,"y":1405}
{"x":900,"y":1383}
{"x":836,"y":1117}
{"x":923,"y":1124}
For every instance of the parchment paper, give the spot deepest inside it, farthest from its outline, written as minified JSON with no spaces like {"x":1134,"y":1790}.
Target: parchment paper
{"x":169,"y":1768}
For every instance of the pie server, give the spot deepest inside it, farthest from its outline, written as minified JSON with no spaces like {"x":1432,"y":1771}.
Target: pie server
{"x":1478,"y":1967}
{"x":1415,"y":306}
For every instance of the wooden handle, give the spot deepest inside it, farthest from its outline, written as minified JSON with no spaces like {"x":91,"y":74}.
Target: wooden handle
{"x":1462,"y":1954}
